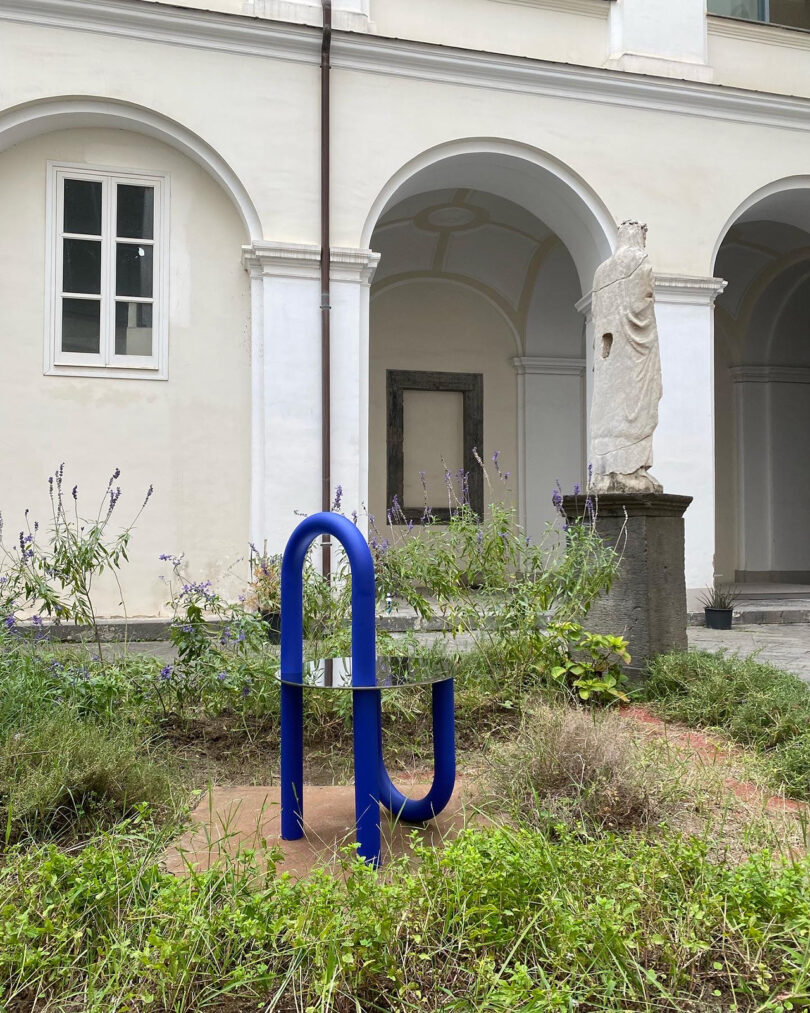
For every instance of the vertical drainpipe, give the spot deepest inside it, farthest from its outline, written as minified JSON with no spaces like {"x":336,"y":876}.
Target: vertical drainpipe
{"x":326,"y":299}
{"x":326,"y":366}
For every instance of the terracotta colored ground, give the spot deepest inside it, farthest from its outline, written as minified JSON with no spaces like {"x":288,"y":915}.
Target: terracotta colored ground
{"x":229,"y":820}
{"x":710,"y":751}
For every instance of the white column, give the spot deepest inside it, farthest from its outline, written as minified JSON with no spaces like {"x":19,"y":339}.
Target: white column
{"x":551,"y":433}
{"x":286,"y":388}
{"x":683,"y":445}
{"x":352,"y":271}
{"x":662,"y":37}
{"x":752,"y":389}
{"x":286,"y":383}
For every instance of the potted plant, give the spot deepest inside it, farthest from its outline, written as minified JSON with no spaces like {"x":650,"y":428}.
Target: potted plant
{"x":718,"y":606}
{"x":265,"y":591}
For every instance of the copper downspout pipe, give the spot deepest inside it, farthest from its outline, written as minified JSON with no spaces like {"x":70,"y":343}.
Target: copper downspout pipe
{"x":326,"y":300}
{"x":326,"y":293}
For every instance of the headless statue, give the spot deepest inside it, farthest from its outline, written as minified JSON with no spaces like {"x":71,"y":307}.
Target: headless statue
{"x":627,"y":368}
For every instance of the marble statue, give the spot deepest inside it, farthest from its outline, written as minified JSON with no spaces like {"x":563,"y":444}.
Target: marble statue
{"x":627,"y":368}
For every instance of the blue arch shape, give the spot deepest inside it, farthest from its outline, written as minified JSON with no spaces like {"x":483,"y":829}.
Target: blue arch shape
{"x":372,"y":784}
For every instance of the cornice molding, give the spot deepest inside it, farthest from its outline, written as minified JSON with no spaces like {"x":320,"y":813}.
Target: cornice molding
{"x":588,"y":8}
{"x":349,"y":264}
{"x":678,"y":288}
{"x":611,"y":87}
{"x":282,"y":260}
{"x":685,"y":288}
{"x":158,"y":22}
{"x":752,"y":31}
{"x":303,"y":260}
{"x":770,"y":374}
{"x":548,"y":365}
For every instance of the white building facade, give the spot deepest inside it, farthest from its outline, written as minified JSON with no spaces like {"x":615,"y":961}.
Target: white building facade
{"x":160,"y":185}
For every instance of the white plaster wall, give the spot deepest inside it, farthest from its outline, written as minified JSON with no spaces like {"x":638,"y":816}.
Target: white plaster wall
{"x":432,"y":325}
{"x":762,"y":58}
{"x":559,"y":30}
{"x":189,"y":436}
{"x":260,"y":115}
{"x":659,"y":28}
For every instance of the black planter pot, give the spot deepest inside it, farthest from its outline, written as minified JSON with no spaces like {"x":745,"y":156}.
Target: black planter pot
{"x":718,"y":619}
{"x":272,"y":621}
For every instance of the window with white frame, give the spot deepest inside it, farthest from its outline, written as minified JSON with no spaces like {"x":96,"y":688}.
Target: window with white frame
{"x":107,"y":278}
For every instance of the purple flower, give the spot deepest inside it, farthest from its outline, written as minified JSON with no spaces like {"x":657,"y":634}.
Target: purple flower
{"x":577,"y":489}
{"x":75,"y":492}
{"x":166,"y":672}
{"x":36,"y":620}
{"x":10,"y":622}
{"x":222,"y":676}
{"x":338,"y":498}
{"x":354,"y":517}
{"x":556,"y":499}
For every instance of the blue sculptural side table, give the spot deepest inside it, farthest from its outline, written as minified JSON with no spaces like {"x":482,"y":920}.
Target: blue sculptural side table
{"x":372,"y":784}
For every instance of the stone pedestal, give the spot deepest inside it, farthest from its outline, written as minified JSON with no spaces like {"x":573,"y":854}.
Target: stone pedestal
{"x":647,"y":603}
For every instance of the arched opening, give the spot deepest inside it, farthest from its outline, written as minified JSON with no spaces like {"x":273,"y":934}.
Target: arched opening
{"x":762,"y":390}
{"x":96,"y":422}
{"x":484,"y":256}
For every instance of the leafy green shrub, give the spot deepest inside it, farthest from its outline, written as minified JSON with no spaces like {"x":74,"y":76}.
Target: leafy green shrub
{"x":500,"y":919}
{"x":754,"y":703}
{"x":59,"y":774}
{"x":575,"y":767}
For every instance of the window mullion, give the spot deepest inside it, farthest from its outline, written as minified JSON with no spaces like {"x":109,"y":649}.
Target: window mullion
{"x":108,"y":271}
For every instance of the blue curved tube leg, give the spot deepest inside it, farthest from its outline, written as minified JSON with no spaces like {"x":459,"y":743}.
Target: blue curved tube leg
{"x":292,"y":762}
{"x":418,"y":810}
{"x":365,"y":708}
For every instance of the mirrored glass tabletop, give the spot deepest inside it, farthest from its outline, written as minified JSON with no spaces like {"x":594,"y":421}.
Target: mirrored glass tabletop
{"x":392,"y":673}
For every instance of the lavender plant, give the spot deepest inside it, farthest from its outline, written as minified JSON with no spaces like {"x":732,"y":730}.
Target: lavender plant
{"x":208,"y":632}
{"x":54,"y":571}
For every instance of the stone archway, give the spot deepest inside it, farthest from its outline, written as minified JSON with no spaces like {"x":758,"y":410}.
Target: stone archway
{"x":486,"y":248}
{"x":762,"y":388}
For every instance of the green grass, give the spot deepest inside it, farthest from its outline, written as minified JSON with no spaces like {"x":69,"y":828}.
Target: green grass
{"x":753,"y":703}
{"x":501,"y":919}
{"x":554,"y":910}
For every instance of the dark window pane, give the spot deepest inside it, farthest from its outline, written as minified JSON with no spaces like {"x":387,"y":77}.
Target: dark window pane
{"x":792,"y":13}
{"x":136,"y":211}
{"x":81,"y":325}
{"x":81,"y":265}
{"x":133,"y":269}
{"x":133,"y":328}
{"x":83,"y":207}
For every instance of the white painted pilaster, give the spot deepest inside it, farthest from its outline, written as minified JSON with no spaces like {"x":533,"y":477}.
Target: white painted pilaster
{"x":352,"y":271}
{"x":286,"y":388}
{"x":286,"y":383}
{"x":683,"y":445}
{"x":551,"y":433}
{"x":667,"y":38}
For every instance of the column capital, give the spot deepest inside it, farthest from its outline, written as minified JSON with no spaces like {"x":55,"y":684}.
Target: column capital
{"x":548,"y":365}
{"x":265,"y":259}
{"x":680,"y":288}
{"x":685,"y":288}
